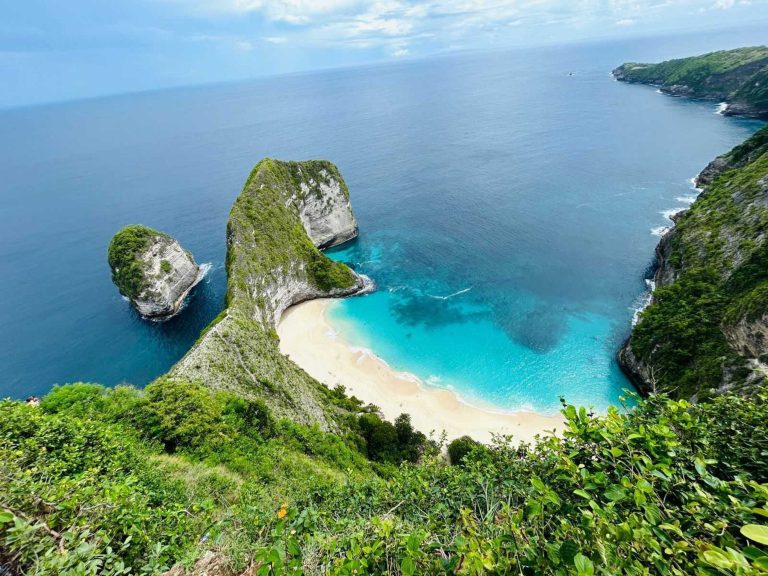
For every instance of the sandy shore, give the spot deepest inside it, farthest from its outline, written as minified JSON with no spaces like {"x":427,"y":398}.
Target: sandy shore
{"x":309,"y":340}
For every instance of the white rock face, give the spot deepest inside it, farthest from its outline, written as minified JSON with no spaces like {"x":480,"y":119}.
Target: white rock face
{"x":325,"y":211}
{"x":168,"y":284}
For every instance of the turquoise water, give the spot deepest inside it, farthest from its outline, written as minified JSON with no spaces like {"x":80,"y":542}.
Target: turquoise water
{"x":469,"y":353}
{"x":506,"y":202}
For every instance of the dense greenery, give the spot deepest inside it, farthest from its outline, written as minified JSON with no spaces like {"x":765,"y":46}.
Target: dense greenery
{"x":719,"y":260}
{"x":100,"y":481}
{"x":123,"y":256}
{"x":738,"y":76}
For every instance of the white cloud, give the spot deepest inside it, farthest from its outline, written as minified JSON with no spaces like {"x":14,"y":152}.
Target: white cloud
{"x":404,"y":27}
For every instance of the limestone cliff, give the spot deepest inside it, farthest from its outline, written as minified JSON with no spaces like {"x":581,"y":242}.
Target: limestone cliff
{"x":707,"y":327}
{"x":285,"y":213}
{"x":152,"y":270}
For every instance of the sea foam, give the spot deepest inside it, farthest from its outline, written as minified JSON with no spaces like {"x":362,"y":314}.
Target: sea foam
{"x":643,"y":301}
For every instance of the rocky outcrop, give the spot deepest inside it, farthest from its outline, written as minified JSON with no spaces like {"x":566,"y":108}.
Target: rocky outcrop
{"x":325,"y":211}
{"x":706,"y":330}
{"x":286,"y":212}
{"x":749,"y":336}
{"x":152,"y":270}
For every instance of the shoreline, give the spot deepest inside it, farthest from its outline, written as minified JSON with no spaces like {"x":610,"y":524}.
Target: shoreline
{"x":309,"y":340}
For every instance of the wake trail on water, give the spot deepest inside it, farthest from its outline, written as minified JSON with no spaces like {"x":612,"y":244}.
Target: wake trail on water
{"x":459,"y":293}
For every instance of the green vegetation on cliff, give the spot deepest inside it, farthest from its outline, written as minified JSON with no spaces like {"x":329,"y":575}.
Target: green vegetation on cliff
{"x":713,"y":276}
{"x":737,"y":76}
{"x":98,"y":481}
{"x":272,"y":263}
{"x":123,"y":256}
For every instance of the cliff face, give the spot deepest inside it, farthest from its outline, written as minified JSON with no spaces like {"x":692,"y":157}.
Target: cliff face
{"x":286,"y":211}
{"x":152,"y":270}
{"x":738,"y":77}
{"x":706,"y":330}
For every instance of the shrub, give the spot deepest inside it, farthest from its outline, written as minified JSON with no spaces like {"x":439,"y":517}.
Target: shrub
{"x":459,"y":448}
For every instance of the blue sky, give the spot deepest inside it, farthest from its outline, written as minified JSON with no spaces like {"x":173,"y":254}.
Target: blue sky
{"x":55,"y":50}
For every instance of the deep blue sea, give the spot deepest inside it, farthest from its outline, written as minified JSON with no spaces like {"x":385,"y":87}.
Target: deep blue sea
{"x":506,"y":204}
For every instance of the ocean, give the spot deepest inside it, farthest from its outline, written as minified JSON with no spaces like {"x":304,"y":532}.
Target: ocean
{"x":508,"y":202}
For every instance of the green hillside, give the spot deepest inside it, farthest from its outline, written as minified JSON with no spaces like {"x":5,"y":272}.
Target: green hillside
{"x":735,"y":76}
{"x":703,"y":332}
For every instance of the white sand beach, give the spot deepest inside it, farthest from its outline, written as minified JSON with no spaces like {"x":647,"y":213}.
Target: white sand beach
{"x":307,"y":337}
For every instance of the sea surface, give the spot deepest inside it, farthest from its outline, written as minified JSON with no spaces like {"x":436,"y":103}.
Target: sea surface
{"x":507,"y":204}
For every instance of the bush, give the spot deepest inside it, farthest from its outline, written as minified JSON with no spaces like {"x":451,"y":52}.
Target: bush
{"x":390,"y":443}
{"x":180,"y":414}
{"x":459,"y":448}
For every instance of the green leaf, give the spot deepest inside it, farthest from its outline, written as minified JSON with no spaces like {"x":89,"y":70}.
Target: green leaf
{"x":756,"y":533}
{"x":717,"y":559}
{"x":615,"y":493}
{"x":568,"y":551}
{"x":408,"y":567}
{"x":754,"y":553}
{"x":584,"y":566}
{"x":582,"y":493}
{"x":6,"y":517}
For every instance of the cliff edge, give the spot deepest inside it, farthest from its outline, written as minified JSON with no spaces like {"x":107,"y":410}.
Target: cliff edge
{"x":706,"y":330}
{"x":286,"y":212}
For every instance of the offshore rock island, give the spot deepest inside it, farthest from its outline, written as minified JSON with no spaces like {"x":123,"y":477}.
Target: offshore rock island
{"x":152,"y":271}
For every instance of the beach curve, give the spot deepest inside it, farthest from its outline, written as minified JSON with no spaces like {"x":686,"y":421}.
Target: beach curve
{"x":309,"y":340}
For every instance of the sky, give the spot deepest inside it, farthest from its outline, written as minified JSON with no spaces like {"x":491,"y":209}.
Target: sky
{"x":53,"y":50}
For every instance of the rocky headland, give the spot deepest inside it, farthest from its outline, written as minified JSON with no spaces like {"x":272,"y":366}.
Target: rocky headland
{"x":737,"y":77}
{"x":152,"y":271}
{"x":706,"y":330}
{"x":285,"y":214}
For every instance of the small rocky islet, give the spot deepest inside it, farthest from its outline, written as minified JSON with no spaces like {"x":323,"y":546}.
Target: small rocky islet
{"x":152,"y":270}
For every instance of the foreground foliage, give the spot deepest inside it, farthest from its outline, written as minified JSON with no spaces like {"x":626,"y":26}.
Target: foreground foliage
{"x":120,"y":481}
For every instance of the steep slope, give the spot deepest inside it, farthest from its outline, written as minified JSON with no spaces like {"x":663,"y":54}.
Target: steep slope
{"x":284,"y":213}
{"x":739,"y":77}
{"x":707,"y":328}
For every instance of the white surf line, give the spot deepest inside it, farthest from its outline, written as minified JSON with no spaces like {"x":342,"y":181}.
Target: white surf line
{"x":645,"y":300}
{"x":459,"y":293}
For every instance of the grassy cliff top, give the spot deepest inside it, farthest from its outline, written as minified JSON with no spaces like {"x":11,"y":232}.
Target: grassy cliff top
{"x":123,"y":254}
{"x":738,"y":76}
{"x":266,"y":238}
